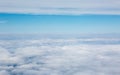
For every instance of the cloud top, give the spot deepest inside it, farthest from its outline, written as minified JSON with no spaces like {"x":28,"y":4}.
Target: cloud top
{"x":50,"y":56}
{"x":61,"y":7}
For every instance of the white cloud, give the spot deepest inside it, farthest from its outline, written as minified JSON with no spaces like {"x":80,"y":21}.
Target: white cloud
{"x":61,"y":7}
{"x":4,"y":72}
{"x":60,"y":56}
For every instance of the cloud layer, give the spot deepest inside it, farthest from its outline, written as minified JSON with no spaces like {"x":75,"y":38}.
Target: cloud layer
{"x":61,"y":7}
{"x":50,"y":56}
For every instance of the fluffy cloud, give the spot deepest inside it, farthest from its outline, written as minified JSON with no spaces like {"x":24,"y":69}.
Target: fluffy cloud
{"x":61,"y":7}
{"x":50,"y":56}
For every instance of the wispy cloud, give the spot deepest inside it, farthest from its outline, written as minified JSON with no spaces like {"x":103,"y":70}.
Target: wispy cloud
{"x":3,"y":22}
{"x":72,"y":7}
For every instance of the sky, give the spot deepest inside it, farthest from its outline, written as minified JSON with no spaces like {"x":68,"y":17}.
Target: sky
{"x":26,"y":54}
{"x":59,"y":16}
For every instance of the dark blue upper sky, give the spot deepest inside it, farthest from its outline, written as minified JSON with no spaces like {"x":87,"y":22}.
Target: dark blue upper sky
{"x":25,"y":23}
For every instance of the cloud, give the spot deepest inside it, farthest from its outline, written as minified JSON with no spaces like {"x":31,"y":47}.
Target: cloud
{"x":3,"y":22}
{"x":3,"y":72}
{"x":61,"y":7}
{"x":53,"y":56}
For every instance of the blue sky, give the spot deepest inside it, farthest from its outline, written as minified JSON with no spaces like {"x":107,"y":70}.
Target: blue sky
{"x":24,"y":23}
{"x":59,"y":16}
